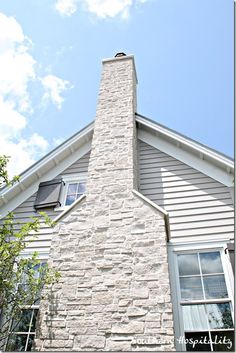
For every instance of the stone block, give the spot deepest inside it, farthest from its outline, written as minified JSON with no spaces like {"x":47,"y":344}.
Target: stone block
{"x":134,"y":311}
{"x":69,"y":291}
{"x":124,"y":302}
{"x":104,"y":326}
{"x":92,"y":341}
{"x":167,"y":323}
{"x":132,"y":327}
{"x":139,"y":293}
{"x":58,"y":343}
{"x":118,"y":346}
{"x":103,"y":297}
{"x":55,"y":323}
{"x":153,"y":317}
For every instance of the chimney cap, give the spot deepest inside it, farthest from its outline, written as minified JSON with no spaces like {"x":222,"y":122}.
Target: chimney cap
{"x":119,"y":54}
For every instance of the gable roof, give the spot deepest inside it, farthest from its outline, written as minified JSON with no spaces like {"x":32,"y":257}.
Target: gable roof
{"x":198,"y":156}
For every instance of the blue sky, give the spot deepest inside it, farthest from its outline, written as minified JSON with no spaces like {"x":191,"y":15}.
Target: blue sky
{"x":50,"y":67}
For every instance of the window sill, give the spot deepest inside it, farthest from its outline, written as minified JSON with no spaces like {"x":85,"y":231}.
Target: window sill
{"x":60,"y":209}
{"x":64,"y":208}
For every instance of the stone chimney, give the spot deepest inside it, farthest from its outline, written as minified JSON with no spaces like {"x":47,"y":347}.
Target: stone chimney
{"x":113,"y":156}
{"x":114,"y":290}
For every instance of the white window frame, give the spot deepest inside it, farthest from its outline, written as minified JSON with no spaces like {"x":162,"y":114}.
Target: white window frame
{"x":68,"y":179}
{"x":177,"y":249}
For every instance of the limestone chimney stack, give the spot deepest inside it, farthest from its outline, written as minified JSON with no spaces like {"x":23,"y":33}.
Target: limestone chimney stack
{"x":113,"y":154}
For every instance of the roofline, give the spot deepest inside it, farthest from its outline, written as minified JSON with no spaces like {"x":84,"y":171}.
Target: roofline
{"x":37,"y":170}
{"x":214,"y":154}
{"x":52,"y":153}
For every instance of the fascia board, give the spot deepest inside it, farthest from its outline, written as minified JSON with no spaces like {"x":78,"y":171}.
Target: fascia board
{"x":193,"y":161}
{"x":214,"y":156}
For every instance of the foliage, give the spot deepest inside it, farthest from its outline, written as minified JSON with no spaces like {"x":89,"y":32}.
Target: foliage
{"x":21,"y":278}
{"x":4,"y":178}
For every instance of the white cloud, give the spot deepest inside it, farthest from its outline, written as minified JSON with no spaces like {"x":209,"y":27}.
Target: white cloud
{"x":100,"y":8}
{"x":11,"y":121}
{"x":23,"y":152}
{"x":37,"y":142}
{"x":54,"y":86}
{"x":17,"y":71}
{"x":10,"y":31}
{"x":17,"y":66}
{"x":109,"y":8}
{"x":66,"y":7}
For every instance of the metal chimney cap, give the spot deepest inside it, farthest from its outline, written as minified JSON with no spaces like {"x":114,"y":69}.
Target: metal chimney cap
{"x":119,"y":55}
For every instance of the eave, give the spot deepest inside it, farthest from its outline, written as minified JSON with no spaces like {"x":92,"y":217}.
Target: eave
{"x":198,"y":156}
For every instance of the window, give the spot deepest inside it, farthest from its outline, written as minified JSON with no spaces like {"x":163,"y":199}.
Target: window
{"x":74,"y":187}
{"x":205,"y":304}
{"x":22,"y":329}
{"x":73,"y":192}
{"x":23,"y":332}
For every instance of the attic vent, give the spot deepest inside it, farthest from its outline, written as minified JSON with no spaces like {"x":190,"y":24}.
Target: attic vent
{"x":120,"y":54}
{"x":48,"y":194}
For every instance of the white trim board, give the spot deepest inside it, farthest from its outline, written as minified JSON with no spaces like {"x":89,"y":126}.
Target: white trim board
{"x":188,"y":158}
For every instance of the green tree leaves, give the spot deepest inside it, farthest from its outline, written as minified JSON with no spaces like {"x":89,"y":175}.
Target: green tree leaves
{"x":22,"y":278}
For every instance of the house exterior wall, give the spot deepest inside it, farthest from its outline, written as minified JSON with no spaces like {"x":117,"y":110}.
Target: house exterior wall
{"x":199,"y":207}
{"x":114,"y":289}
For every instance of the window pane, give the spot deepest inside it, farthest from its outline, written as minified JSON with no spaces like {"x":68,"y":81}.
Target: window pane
{"x":188,"y":264}
{"x":72,"y":188}
{"x":22,"y":324}
{"x":81,"y":189}
{"x":211,"y":262}
{"x":30,"y":343}
{"x":194,"y":317}
{"x":191,"y":288}
{"x":219,"y":315}
{"x":70,"y":199}
{"x":224,"y":341}
{"x":32,"y":328}
{"x":16,"y":343}
{"x":215,"y":287}
{"x":197,"y":341}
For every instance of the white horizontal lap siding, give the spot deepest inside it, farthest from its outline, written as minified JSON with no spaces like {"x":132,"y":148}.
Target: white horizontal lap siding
{"x":25,"y":211}
{"x":197,"y":204}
